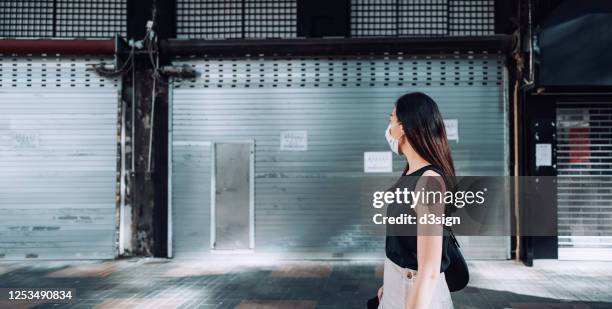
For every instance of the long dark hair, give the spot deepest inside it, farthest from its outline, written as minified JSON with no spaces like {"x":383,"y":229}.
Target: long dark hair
{"x":424,"y":128}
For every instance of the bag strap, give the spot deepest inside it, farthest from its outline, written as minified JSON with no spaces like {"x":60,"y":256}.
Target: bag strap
{"x":452,"y":235}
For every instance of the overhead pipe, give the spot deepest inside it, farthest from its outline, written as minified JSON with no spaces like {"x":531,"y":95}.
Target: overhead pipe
{"x":299,"y":46}
{"x":337,"y":46}
{"x":58,"y":46}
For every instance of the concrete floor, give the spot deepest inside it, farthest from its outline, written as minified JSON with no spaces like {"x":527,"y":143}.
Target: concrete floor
{"x":231,"y":283}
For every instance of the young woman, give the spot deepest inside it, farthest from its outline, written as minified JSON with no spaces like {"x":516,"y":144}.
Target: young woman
{"x":415,"y":264}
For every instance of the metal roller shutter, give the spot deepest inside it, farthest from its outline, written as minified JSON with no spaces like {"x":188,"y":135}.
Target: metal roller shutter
{"x":301,"y":202}
{"x":58,"y":159}
{"x":584,"y":158}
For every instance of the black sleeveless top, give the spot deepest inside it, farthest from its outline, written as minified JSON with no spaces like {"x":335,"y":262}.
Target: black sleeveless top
{"x":402,"y":250}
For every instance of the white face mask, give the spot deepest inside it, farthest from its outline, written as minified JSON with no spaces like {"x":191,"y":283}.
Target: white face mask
{"x":393,"y":142}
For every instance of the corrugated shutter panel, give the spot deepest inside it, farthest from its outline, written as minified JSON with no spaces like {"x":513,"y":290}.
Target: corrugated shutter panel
{"x":584,"y":159}
{"x":58,"y":159}
{"x":305,"y":201}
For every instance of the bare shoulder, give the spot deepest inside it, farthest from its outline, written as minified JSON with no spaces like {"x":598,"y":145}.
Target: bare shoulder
{"x":433,"y":181}
{"x":431,"y":173}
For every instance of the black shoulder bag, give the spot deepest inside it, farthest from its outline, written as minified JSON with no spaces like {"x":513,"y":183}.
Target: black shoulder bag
{"x":457,"y":274}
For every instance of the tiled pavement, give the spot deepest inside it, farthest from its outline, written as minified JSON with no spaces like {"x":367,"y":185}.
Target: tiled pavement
{"x":161,"y":283}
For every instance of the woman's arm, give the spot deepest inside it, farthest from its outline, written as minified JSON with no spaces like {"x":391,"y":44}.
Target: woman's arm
{"x":429,"y":247}
{"x":429,"y":254}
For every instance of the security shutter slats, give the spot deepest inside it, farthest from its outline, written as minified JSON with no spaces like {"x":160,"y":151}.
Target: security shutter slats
{"x":191,"y":191}
{"x":584,"y":166}
{"x":301,"y":201}
{"x":58,"y":159}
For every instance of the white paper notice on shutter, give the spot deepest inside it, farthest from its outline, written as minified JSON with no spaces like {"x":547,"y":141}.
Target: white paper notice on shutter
{"x":26,"y":140}
{"x":294,"y":141}
{"x":543,"y":155}
{"x":377,"y":162}
{"x":452,"y":129}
